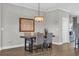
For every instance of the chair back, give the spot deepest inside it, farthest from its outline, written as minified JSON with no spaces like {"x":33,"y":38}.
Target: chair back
{"x":39,"y":38}
{"x":49,"y":37}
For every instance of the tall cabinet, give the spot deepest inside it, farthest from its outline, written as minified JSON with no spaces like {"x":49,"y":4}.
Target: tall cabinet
{"x":76,"y":30}
{"x":0,"y":26}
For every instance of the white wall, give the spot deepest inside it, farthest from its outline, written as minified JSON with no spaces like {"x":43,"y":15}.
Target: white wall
{"x":52,"y":24}
{"x":11,"y":15}
{"x":54,"y":21}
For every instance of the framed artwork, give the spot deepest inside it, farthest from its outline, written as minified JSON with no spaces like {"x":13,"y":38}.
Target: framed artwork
{"x":26,"y":25}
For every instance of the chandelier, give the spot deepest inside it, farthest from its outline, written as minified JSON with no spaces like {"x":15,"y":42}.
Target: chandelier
{"x":39,"y":18}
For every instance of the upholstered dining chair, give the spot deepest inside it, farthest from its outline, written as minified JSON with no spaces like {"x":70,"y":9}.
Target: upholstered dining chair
{"x":49,"y":39}
{"x":38,"y":42}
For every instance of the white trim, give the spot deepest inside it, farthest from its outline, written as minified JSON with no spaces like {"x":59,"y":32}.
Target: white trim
{"x":45,"y":10}
{"x":8,"y":47}
{"x":57,"y":43}
{"x":27,"y":7}
{"x":49,"y":10}
{"x":0,"y":48}
{"x":66,"y":42}
{"x":62,"y":9}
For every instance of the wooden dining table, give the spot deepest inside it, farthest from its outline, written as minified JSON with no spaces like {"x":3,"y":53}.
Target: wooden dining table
{"x":30,"y":38}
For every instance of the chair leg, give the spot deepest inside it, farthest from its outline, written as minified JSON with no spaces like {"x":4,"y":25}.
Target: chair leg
{"x":50,"y":45}
{"x":37,"y":47}
{"x":42,"y":47}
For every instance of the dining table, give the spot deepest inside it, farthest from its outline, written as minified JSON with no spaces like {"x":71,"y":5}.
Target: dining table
{"x":29,"y":38}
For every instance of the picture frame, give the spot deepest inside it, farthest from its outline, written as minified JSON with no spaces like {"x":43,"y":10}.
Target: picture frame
{"x":26,"y":25}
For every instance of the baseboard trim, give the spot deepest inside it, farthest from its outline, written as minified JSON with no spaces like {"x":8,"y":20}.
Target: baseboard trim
{"x":9,"y":47}
{"x":0,"y":48}
{"x":66,"y":42}
{"x":15,"y":46}
{"x":57,"y":43}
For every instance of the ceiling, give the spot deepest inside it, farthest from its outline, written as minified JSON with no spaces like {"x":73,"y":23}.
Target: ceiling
{"x":69,"y":7}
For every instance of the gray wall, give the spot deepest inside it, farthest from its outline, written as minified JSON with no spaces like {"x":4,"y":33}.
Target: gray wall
{"x":74,"y":23}
{"x":0,"y":26}
{"x":76,"y":29}
{"x":11,"y":15}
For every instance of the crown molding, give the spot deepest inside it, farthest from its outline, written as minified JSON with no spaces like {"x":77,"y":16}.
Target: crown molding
{"x":47,"y":10}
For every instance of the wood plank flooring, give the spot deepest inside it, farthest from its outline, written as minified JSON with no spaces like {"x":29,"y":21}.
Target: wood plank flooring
{"x":57,"y":50}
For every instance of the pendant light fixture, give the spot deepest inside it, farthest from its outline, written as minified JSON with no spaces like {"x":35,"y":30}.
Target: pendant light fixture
{"x":39,"y":18}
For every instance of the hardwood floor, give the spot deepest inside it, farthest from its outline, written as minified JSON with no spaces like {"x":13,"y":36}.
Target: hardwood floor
{"x":57,"y":50}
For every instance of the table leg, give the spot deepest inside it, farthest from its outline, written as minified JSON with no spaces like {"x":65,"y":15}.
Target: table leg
{"x":31,"y":45}
{"x":25,"y":44}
